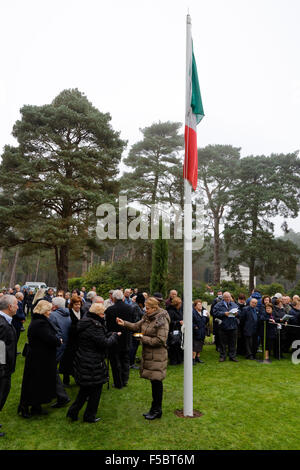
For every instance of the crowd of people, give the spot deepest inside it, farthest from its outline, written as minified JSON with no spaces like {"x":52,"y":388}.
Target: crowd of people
{"x":78,"y":334}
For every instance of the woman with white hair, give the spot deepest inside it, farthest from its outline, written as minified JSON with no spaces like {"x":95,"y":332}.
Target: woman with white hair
{"x":39,"y":377}
{"x":90,"y":370}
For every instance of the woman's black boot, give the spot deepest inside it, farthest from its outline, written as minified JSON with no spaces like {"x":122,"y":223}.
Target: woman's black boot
{"x":154,"y":414}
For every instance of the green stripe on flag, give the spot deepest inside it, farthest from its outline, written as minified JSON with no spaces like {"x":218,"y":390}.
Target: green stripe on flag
{"x":196,"y":102}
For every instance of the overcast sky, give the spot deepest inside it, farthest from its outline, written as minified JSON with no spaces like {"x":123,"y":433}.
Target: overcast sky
{"x":128,"y":57}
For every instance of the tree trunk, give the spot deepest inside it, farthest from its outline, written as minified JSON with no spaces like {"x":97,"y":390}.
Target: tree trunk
{"x":217,"y":264}
{"x":84,"y":268}
{"x":62,"y":266}
{"x":12,"y":281}
{"x":92,"y":259}
{"x":251,"y":274}
{"x":37,"y":269}
{"x":113,"y":255}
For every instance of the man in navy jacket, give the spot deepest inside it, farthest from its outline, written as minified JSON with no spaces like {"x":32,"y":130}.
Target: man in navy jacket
{"x":227,"y":311}
{"x":8,"y":346}
{"x":250,"y":317}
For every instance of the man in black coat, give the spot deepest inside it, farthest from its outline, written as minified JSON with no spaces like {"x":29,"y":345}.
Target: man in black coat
{"x":8,"y":346}
{"x":250,"y":318}
{"x":119,"y":354}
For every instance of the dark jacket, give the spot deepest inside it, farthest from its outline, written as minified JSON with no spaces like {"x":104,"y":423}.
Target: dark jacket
{"x":228,"y":323}
{"x":271,"y":328}
{"x":176,"y":316}
{"x":8,"y":351}
{"x":19,"y":317}
{"x":39,"y":377}
{"x":295,"y":320}
{"x":66,"y":362}
{"x":124,"y":311}
{"x":199,"y":324}
{"x":93,"y":341}
{"x":250,"y":319}
{"x":61,"y":320}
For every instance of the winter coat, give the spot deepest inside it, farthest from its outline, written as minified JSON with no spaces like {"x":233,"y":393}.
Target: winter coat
{"x":137,"y":312}
{"x":19,"y":317}
{"x":295,"y":320}
{"x":200,"y":319}
{"x":176,"y":316}
{"x":125,"y":312}
{"x":250,"y":318}
{"x":228,"y":323}
{"x":278,"y":313}
{"x":39,"y":377}
{"x":271,"y":328}
{"x":155,"y":329}
{"x":61,"y":320}
{"x":66,"y":362}
{"x":90,"y":368}
{"x":8,"y":351}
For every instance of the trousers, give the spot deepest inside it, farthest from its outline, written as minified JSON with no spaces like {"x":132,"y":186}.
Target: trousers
{"x":157,"y":395}
{"x":120,"y":362}
{"x":227,"y":338}
{"x":90,"y":394}
{"x":5,"y":385}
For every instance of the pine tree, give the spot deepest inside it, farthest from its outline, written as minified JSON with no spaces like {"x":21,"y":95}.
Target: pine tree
{"x":65,"y":165}
{"x":159,"y":273}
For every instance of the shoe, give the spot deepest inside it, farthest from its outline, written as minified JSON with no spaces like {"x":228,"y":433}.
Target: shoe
{"x":194,"y":362}
{"x":201,"y":362}
{"x":233,"y":359}
{"x":154,"y":415}
{"x":197,"y":359}
{"x":24,"y":411}
{"x":149,"y":413}
{"x":60,"y":404}
{"x":18,"y":353}
{"x":133,"y":366}
{"x":222,"y":359}
{"x":2,"y":434}
{"x":95,"y":420}
{"x":0,"y":425}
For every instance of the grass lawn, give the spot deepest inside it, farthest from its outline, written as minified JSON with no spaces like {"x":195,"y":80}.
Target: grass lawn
{"x":245,"y":405}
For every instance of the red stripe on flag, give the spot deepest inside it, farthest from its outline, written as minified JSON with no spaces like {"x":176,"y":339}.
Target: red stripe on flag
{"x":190,"y":167}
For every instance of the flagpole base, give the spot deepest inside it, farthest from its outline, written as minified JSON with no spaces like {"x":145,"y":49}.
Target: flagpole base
{"x":196,"y":414}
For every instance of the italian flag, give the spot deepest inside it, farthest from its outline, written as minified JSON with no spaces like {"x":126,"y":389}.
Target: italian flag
{"x":194,"y":114}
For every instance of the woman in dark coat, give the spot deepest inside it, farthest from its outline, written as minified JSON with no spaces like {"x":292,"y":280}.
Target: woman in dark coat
{"x":154,"y":329}
{"x":267,"y":330}
{"x":200,"y":319}
{"x":174,"y":339}
{"x":90,"y":370}
{"x":39,"y":377}
{"x":66,"y":362}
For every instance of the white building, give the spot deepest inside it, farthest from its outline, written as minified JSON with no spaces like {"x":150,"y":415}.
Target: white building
{"x":244,"y":270}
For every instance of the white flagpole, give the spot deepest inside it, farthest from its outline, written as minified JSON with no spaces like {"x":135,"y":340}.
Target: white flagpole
{"x":187,"y":275}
